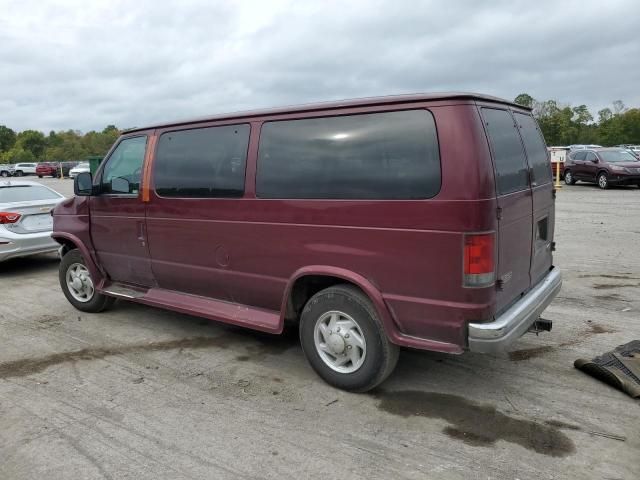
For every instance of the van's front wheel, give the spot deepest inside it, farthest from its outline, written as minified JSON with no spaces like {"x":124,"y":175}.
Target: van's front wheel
{"x":344,"y":340}
{"x":77,"y":284}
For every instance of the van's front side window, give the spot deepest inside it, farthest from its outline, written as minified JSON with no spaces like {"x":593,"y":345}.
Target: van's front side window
{"x":123,"y":170}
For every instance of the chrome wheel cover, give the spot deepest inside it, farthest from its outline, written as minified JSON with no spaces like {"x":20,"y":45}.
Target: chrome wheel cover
{"x":340,"y":342}
{"x":79,"y":282}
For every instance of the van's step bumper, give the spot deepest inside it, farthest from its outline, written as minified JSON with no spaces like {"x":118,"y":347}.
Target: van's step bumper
{"x":496,"y":336}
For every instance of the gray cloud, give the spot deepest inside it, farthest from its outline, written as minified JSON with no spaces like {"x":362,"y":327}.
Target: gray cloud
{"x":84,"y":65}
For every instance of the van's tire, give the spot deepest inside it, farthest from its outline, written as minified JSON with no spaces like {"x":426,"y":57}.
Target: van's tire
{"x":568,"y":178}
{"x":602,"y":180}
{"x":77,"y":285}
{"x":352,"y":328}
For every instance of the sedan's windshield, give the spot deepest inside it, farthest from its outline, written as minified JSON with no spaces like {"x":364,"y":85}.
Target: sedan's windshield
{"x":617,"y":156}
{"x":82,"y":165}
{"x":26,"y":193}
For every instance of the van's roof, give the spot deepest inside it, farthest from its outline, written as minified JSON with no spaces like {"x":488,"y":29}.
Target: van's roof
{"x":360,"y":102}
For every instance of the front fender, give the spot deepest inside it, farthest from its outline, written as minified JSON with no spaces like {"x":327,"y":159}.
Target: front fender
{"x":65,"y":237}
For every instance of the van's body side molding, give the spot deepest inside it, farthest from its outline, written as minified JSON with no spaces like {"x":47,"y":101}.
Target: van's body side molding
{"x":374,"y":294}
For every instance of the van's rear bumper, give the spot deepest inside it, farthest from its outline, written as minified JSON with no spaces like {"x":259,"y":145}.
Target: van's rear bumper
{"x":496,"y":336}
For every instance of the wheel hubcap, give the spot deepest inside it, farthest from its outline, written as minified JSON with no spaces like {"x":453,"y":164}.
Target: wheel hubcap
{"x":603,"y":181}
{"x":340,"y":342}
{"x":79,"y":282}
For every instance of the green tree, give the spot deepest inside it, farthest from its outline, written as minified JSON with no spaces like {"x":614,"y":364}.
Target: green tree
{"x":525,"y":100}
{"x":17,"y":154}
{"x":32,"y":141}
{"x":7,"y":138}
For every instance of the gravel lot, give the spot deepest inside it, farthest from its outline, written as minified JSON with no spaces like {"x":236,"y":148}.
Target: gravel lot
{"x":143,"y":393}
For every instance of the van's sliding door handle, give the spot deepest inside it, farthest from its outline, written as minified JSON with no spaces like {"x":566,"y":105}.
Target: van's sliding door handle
{"x":141,"y":233}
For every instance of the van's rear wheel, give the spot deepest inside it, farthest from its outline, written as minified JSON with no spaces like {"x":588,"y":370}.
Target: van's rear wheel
{"x":77,"y":284}
{"x":344,"y":341}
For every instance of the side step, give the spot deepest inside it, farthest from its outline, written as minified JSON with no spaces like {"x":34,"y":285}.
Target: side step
{"x":120,"y":290}
{"x":218,"y":310}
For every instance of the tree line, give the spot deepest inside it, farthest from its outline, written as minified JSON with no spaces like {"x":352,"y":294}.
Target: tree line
{"x":563,"y":124}
{"x":70,"y":145}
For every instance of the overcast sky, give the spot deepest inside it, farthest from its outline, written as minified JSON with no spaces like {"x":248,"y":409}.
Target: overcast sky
{"x":85,"y":64}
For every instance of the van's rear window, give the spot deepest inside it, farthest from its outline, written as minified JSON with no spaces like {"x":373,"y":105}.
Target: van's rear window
{"x":535,"y":148}
{"x":390,"y":155}
{"x":508,"y":154}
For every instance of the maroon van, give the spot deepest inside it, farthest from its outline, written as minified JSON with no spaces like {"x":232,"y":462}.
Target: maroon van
{"x":421,"y":221}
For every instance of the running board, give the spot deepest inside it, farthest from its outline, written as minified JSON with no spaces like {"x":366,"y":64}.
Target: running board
{"x":218,"y":310}
{"x":120,"y":290}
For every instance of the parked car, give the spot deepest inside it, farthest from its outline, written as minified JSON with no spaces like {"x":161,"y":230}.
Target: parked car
{"x":351,"y":218}
{"x":46,"y":169}
{"x":6,"y":170}
{"x":25,"y":169}
{"x":583,"y":147}
{"x":67,"y":166}
{"x":603,"y":166}
{"x":82,"y":167}
{"x":25,"y":218}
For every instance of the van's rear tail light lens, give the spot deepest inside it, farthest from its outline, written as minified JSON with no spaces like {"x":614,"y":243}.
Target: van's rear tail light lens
{"x":9,"y":217}
{"x":479,"y":259}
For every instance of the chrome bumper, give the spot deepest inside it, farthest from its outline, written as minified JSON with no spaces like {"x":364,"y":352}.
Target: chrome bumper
{"x":496,"y":336}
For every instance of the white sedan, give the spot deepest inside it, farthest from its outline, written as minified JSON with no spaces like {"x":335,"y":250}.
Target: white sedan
{"x":25,"y":218}
{"x":80,"y":168}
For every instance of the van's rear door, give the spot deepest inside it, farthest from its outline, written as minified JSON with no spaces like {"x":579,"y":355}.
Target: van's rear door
{"x":515,"y":205}
{"x":542,"y":194}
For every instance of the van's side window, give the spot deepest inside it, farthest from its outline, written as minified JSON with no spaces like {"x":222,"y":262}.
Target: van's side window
{"x":508,"y":155}
{"x":579,"y":155}
{"x":123,"y":170}
{"x":203,"y":162}
{"x":389,"y":155}
{"x":535,"y":148}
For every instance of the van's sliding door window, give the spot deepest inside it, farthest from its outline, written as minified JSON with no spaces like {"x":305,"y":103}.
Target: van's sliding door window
{"x":390,"y":155}
{"x":202,"y":162}
{"x":508,"y":156}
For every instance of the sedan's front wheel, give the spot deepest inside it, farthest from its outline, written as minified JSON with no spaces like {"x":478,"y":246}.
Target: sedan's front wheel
{"x":77,"y":284}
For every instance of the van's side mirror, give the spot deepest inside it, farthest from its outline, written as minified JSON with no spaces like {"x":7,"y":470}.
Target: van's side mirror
{"x":83,"y":184}
{"x":595,"y":160}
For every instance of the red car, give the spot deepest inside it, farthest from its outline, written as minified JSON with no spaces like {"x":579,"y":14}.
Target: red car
{"x":47,"y":169}
{"x":421,"y":221}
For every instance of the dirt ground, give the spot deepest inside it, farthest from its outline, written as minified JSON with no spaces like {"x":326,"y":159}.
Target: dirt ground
{"x":143,"y":393}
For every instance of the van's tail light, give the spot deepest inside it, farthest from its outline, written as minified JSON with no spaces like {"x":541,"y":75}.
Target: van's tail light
{"x":479,"y":259}
{"x":9,"y":217}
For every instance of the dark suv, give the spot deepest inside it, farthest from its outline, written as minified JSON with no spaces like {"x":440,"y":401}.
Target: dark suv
{"x":603,"y":166}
